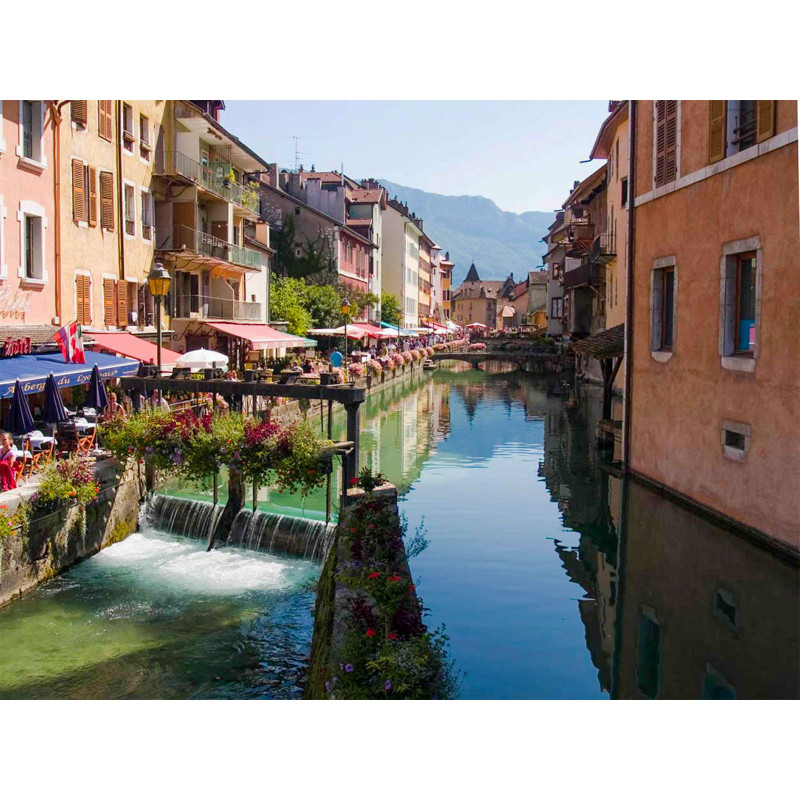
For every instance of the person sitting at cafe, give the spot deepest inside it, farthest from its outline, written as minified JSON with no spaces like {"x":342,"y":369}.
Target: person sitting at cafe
{"x":308,"y":366}
{"x":8,"y":480}
{"x":157,"y":401}
{"x":113,"y":409}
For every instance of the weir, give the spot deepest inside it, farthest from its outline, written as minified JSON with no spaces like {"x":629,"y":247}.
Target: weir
{"x":266,"y":532}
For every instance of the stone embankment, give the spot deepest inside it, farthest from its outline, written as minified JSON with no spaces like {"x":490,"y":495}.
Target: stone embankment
{"x":58,"y":540}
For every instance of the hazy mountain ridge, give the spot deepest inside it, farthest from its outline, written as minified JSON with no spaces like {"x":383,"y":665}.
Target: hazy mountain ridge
{"x":472,"y":227}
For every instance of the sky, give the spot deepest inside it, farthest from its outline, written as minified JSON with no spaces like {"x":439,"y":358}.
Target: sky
{"x":523,"y":155}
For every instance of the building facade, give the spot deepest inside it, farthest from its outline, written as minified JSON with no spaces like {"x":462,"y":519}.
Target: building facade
{"x":28,"y":222}
{"x":402,"y":231}
{"x":715,"y":401}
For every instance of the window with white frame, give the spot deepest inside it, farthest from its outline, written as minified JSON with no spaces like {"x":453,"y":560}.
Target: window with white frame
{"x":31,"y":125}
{"x":663,"y":305}
{"x":32,"y":247}
{"x":740,"y":291}
{"x":129,"y":207}
{"x":147,"y":215}
{"x":735,"y":439}
{"x":128,"y":132}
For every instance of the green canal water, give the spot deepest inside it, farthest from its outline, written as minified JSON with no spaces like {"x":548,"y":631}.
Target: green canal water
{"x":553,"y":580}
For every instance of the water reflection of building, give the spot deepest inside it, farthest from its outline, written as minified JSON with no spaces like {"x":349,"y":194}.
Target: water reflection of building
{"x":703,"y":613}
{"x":571,"y":471}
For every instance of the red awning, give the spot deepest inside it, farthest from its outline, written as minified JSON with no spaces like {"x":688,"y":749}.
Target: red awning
{"x":261,"y":336}
{"x":127,"y":344}
{"x":373,"y":331}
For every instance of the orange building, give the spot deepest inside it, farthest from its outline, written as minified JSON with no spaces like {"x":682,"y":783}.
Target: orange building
{"x":714,"y":398}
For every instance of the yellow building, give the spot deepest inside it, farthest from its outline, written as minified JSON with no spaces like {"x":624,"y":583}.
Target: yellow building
{"x":446,"y":268}
{"x":424,"y":299}
{"x":106,"y":212}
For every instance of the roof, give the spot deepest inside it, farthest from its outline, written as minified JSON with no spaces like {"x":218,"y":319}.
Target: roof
{"x":520,"y":289}
{"x":586,"y":185}
{"x":368,"y":196}
{"x":609,"y":343}
{"x":329,"y":177}
{"x":358,"y":237}
{"x":358,"y":223}
{"x":602,"y":144}
{"x":508,"y":311}
{"x":32,"y":371}
{"x":472,"y":275}
{"x":538,"y":276}
{"x":38,"y":334}
{"x":260,"y":245}
{"x":490,"y":289}
{"x":127,"y":344}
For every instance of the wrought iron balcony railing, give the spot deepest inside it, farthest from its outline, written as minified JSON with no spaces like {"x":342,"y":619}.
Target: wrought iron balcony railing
{"x":184,"y":238}
{"x":213,"y":178}
{"x":202,"y":307}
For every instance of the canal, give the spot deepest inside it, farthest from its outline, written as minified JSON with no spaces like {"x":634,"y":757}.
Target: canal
{"x":542,"y":592}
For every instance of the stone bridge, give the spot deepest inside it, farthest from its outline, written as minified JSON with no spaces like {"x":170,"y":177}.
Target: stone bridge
{"x":535,"y":362}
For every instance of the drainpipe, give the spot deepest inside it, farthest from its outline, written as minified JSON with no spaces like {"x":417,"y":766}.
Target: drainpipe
{"x":626,"y":432}
{"x":120,"y":198}
{"x":55,"y":110}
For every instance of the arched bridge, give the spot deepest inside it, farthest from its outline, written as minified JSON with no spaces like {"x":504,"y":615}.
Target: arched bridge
{"x":537,"y":362}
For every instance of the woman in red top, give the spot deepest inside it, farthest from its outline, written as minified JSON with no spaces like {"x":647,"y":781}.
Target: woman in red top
{"x":8,"y":480}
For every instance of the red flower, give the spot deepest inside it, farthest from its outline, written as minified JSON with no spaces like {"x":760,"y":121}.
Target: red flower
{"x":394,"y":579}
{"x":370,"y":632}
{"x":353,"y":481}
{"x":374,"y":575}
{"x":352,"y":530}
{"x":391,"y":635}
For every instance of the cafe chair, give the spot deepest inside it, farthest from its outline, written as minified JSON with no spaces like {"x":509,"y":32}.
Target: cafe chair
{"x":41,"y":457}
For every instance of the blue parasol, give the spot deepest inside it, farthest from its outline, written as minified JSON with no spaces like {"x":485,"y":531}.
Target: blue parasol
{"x":97,"y":397}
{"x":19,"y":419}
{"x":54,"y":410}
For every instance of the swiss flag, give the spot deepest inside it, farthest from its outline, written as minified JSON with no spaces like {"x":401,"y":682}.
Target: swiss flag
{"x":70,"y":339}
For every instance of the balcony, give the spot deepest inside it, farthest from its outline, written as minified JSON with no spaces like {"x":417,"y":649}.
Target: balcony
{"x":604,"y":249}
{"x":211,"y":178}
{"x":587,"y":274}
{"x":193,"y":306}
{"x":188,"y":239}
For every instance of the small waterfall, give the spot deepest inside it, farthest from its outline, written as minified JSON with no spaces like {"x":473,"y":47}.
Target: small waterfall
{"x":269,"y":533}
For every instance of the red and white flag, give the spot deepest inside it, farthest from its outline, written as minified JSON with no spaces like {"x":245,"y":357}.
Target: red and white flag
{"x":70,"y":339}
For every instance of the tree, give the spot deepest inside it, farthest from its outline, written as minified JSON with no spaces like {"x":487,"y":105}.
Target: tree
{"x":323,"y":303}
{"x":300,"y":256}
{"x":288,"y":303}
{"x":390,"y":309}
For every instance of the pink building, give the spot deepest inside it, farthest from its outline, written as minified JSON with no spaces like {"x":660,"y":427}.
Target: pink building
{"x":28,"y":220}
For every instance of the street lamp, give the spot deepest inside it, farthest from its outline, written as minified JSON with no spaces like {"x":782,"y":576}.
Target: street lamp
{"x":346,"y":311}
{"x":159,"y":280}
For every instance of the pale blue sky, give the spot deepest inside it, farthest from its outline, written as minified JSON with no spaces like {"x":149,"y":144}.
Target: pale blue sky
{"x":524,"y":155}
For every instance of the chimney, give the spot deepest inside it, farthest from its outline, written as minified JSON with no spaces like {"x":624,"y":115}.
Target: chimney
{"x":274,"y":176}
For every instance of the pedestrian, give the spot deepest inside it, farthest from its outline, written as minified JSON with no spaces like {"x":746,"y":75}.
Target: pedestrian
{"x":336,"y":358}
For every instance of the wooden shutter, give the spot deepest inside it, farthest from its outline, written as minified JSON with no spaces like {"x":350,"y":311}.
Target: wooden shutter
{"x":766,"y":119}
{"x":92,"y":192}
{"x":109,"y":301}
{"x":717,"y":130}
{"x":666,"y":141}
{"x":107,"y":200}
{"x":83,"y":294}
{"x":78,"y":109}
{"x":78,"y":191}
{"x":122,"y":304}
{"x":105,"y":119}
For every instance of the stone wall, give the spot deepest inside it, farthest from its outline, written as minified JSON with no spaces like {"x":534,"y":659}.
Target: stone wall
{"x":57,"y":541}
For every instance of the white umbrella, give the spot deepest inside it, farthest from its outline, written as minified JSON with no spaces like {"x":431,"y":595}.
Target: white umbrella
{"x":202,"y":359}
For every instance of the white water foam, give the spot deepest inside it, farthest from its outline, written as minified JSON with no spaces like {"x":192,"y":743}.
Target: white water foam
{"x":184,"y":565}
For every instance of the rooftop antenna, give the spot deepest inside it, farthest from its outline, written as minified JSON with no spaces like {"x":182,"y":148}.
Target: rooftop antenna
{"x":296,"y":152}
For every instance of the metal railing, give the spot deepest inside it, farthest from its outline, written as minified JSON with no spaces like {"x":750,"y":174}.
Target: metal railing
{"x":604,"y":244}
{"x":184,"y":238}
{"x":213,"y":178}
{"x":201,"y":306}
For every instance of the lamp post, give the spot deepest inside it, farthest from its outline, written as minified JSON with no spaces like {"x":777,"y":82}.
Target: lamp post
{"x":159,"y":280}
{"x":346,"y":311}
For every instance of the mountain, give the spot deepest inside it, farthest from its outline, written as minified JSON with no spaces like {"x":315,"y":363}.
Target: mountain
{"x":474,"y":228}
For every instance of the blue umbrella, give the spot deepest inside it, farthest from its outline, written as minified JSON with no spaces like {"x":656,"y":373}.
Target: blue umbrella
{"x":54,"y":410}
{"x":97,"y":397}
{"x":19,"y":419}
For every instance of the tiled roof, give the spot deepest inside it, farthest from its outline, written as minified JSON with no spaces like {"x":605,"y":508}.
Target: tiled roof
{"x":39,"y":334}
{"x":365,"y":195}
{"x":609,"y":343}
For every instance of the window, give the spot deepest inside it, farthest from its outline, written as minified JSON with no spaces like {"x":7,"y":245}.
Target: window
{"x":736,"y":125}
{"x":78,"y":113}
{"x":144,"y":137}
{"x":648,"y":653}
{"x":128,"y":135}
{"x":105,"y":119}
{"x":33,"y":247}
{"x":663,"y":305}
{"x":740,"y":271}
{"x":624,"y":192}
{"x":80,"y":206}
{"x":556,"y":307}
{"x":129,"y":208}
{"x":666,"y":142}
{"x":109,"y":302}
{"x":83,"y":299}
{"x":31,"y":124}
{"x":147,"y":215}
{"x":107,"y":201}
{"x":715,"y":687}
{"x":735,"y":439}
